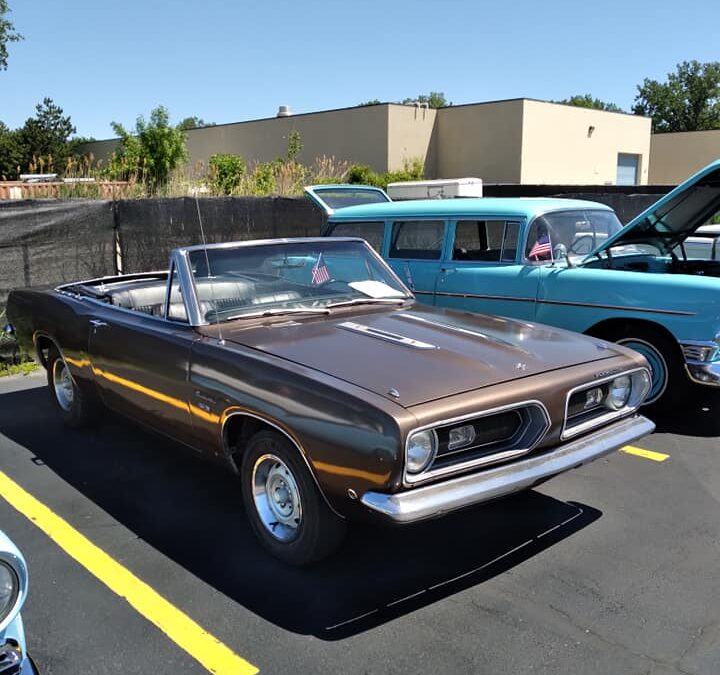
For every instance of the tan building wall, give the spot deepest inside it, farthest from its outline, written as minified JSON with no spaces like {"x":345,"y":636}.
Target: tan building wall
{"x":567,"y":145}
{"x":675,"y":157}
{"x":481,"y":140}
{"x":411,"y":135}
{"x":356,"y":134}
{"x":515,"y":141}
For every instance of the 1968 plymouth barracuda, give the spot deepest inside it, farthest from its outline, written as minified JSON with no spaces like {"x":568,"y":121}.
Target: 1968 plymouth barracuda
{"x":14,"y":658}
{"x":307,"y":366}
{"x":650,"y":285}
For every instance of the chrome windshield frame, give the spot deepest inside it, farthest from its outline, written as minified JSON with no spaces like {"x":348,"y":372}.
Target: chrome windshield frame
{"x":180,"y":259}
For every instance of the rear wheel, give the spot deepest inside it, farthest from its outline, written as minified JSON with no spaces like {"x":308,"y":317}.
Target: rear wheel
{"x":77,"y":407}
{"x":285,"y":508}
{"x":663,"y":355}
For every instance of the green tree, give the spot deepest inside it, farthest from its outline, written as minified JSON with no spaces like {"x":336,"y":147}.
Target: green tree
{"x":226,"y":173}
{"x":46,"y":136}
{"x":7,"y":33}
{"x":435,"y":99}
{"x":194,"y":123}
{"x":372,"y":101}
{"x":587,"y":101}
{"x":689,"y":100}
{"x":11,"y":154}
{"x":154,"y":151}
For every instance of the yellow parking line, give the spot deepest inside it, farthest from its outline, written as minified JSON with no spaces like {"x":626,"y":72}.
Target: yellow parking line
{"x":179,"y":627}
{"x":647,"y":454}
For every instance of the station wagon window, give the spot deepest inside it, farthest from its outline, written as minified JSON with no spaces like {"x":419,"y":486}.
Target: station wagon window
{"x":579,"y":231}
{"x":417,"y":239}
{"x":372,"y":233}
{"x":485,"y":240}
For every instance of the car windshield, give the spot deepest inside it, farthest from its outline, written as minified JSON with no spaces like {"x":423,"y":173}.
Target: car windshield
{"x":290,"y":278}
{"x":578,"y":231}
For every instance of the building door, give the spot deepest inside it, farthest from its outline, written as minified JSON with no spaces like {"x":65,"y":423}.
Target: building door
{"x":628,"y":169}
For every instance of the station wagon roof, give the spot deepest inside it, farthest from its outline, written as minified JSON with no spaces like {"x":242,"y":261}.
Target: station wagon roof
{"x":514,"y":207}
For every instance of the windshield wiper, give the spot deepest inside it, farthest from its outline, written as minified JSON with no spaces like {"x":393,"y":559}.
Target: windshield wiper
{"x":279,"y":312}
{"x":368,"y":301}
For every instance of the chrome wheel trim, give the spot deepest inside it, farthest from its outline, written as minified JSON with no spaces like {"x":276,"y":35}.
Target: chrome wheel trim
{"x":63,"y":385}
{"x":659,"y":374}
{"x":277,"y":498}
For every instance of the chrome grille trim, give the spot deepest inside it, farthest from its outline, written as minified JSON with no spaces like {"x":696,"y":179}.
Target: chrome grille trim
{"x":532,"y":434}
{"x":569,"y":431}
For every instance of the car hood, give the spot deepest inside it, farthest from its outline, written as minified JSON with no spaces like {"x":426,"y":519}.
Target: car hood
{"x":675,"y":216}
{"x":417,"y":355}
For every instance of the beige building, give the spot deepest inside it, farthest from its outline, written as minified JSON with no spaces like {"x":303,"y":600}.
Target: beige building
{"x":513,"y":141}
{"x":675,"y":157}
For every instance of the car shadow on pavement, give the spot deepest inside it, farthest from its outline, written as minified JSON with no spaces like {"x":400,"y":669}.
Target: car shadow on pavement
{"x":191,"y":511}
{"x":697,"y":415}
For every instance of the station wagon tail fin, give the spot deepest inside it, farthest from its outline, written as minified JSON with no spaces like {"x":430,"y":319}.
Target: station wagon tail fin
{"x":675,"y":216}
{"x":330,"y":198}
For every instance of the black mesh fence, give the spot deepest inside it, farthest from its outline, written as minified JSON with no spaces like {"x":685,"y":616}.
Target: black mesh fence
{"x":43,"y":243}
{"x":150,"y":228}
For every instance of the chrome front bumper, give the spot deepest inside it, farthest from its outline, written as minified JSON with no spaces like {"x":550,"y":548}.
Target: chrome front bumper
{"x":435,"y":500}
{"x":704,"y":373}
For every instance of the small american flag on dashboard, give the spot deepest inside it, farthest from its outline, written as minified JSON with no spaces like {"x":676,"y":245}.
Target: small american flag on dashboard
{"x":320,"y":273}
{"x":542,"y":247}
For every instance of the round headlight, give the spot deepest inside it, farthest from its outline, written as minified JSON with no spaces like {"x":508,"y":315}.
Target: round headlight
{"x":9,"y":589}
{"x":619,"y":393}
{"x":421,"y":448}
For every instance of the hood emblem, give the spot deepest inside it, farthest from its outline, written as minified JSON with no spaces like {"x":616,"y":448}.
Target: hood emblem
{"x":385,"y":335}
{"x":394,"y":393}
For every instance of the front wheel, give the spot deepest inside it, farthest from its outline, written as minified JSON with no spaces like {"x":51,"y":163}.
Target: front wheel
{"x":77,"y":407}
{"x":668,"y":378}
{"x":285,"y":508}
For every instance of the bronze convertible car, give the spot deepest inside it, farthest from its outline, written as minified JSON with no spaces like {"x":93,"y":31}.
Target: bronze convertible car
{"x":307,"y":367}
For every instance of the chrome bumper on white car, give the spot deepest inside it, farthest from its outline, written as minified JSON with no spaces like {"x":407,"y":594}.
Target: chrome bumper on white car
{"x":440,"y":498}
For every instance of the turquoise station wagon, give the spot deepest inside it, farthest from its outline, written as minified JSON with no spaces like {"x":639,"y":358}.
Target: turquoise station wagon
{"x":562,"y":262}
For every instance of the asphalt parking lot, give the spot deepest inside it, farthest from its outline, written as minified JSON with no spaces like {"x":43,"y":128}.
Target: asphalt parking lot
{"x":610,"y":569}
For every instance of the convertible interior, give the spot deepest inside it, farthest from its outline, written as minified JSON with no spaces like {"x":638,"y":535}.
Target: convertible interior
{"x":148,"y":294}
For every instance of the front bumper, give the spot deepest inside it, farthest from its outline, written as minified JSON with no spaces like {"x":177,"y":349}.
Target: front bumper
{"x":440,"y":498}
{"x":704,"y":373}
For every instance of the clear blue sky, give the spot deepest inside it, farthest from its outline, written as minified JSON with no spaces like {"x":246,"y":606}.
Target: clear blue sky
{"x":230,"y":60}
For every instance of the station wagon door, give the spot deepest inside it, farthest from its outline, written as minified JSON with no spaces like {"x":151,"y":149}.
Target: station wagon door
{"x":330,"y":198}
{"x":415,"y":252}
{"x":480,"y":272}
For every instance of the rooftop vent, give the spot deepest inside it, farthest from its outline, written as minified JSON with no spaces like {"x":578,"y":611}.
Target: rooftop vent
{"x":284,"y":111}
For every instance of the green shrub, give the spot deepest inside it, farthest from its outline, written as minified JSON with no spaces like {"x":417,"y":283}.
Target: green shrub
{"x":362,"y":174}
{"x":226,"y":173}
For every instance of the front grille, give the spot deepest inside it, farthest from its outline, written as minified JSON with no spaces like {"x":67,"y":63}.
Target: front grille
{"x":699,"y":352}
{"x":498,"y":435}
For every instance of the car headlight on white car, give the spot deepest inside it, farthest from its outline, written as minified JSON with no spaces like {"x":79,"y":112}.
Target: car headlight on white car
{"x":420,"y":450}
{"x":9,"y":590}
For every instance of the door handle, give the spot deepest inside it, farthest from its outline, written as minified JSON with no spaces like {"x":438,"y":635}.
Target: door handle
{"x":97,"y":323}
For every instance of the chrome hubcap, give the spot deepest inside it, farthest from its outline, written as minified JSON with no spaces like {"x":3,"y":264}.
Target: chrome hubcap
{"x":277,"y":498}
{"x":63,"y":385}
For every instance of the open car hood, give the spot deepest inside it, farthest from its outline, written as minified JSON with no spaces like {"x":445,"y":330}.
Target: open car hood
{"x":422,"y":353}
{"x":670,"y":220}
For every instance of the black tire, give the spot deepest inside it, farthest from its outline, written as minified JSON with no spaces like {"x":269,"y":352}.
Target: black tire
{"x":663,"y":354}
{"x":77,"y":407}
{"x":270,"y":459}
